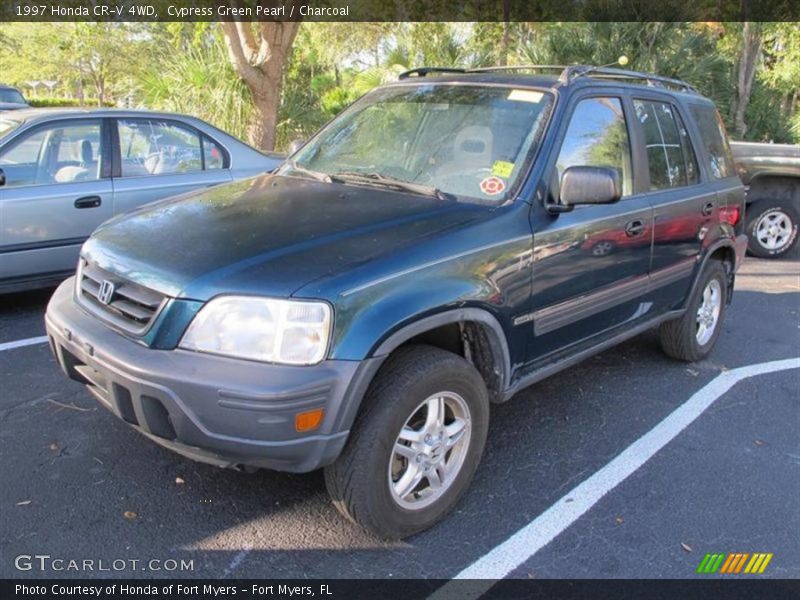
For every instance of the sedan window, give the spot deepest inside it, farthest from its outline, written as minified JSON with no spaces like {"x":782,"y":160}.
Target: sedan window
{"x":62,"y":153}
{"x":157,"y":147}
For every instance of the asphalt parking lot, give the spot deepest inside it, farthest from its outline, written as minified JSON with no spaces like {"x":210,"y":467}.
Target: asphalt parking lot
{"x":79,"y":484}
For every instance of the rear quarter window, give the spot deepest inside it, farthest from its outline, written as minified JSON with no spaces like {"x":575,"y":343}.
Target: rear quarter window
{"x":715,"y":140}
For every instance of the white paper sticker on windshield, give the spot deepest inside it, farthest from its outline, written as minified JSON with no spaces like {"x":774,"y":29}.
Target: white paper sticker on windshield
{"x":525,"y":96}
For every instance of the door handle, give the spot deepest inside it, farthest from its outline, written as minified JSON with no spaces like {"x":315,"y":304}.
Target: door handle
{"x":634,"y":228}
{"x":88,"y":202}
{"x":708,"y":209}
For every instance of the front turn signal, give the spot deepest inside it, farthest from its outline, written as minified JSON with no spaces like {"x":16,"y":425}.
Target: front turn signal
{"x":309,"y":420}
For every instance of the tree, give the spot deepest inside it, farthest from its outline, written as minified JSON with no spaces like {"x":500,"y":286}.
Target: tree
{"x":746,"y":63}
{"x":259,"y":53}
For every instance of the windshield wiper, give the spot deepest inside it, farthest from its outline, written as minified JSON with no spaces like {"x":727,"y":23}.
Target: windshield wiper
{"x":318,"y":175}
{"x":385,"y":180}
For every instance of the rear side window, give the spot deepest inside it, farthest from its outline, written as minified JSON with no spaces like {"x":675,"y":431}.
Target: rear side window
{"x":153,"y":147}
{"x":670,"y":157}
{"x":720,"y":160}
{"x":598,"y":137}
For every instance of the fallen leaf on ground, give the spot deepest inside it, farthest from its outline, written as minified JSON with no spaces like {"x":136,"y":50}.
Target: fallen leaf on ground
{"x":179,"y":480}
{"x":686,"y":547}
{"x":54,"y":446}
{"x":24,"y":503}
{"x":129,"y":514}
{"x":619,"y":520}
{"x":759,"y":442}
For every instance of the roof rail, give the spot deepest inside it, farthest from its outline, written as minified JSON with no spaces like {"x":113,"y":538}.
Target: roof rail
{"x":573,"y":72}
{"x":567,"y":75}
{"x":423,"y":71}
{"x":518,"y":68}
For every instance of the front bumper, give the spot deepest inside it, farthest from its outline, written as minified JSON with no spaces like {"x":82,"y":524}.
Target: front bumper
{"x":218,"y":410}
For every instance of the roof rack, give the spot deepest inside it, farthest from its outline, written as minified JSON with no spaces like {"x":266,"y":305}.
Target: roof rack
{"x":567,"y":74}
{"x":518,"y":68}
{"x":573,"y":72}
{"x":423,"y":71}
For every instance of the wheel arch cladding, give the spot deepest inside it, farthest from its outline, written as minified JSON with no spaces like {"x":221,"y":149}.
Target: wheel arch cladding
{"x":722,"y":250}
{"x":770,"y":187}
{"x":470,"y":332}
{"x":473,"y":333}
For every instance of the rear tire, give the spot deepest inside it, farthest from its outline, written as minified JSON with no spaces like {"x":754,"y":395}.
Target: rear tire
{"x":771,"y":228}
{"x":381,"y":479}
{"x":692,"y":336}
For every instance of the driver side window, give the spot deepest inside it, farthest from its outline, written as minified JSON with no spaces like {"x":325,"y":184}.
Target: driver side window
{"x":598,"y":137}
{"x":64,"y":153}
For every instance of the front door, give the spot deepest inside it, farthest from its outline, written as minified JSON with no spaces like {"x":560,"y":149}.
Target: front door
{"x":56,"y":193}
{"x":590,"y":265}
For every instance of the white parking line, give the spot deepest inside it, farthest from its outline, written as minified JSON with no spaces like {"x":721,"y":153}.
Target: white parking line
{"x":236,"y":561}
{"x":506,"y":557}
{"x":22,"y":343}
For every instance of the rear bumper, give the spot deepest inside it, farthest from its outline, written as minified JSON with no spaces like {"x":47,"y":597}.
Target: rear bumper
{"x":213,"y":409}
{"x":740,"y":245}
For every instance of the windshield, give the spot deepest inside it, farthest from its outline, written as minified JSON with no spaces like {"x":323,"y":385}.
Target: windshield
{"x":463,"y":141}
{"x":11,"y":96}
{"x":7,"y":126}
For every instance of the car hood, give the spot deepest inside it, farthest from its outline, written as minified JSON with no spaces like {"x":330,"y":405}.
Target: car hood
{"x":269,"y":236}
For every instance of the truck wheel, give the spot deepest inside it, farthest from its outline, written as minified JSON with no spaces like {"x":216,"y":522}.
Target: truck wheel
{"x":692,"y":336}
{"x":771,"y":228}
{"x":415,"y":446}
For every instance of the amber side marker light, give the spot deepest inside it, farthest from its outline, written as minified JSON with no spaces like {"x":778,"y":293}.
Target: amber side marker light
{"x":309,"y":420}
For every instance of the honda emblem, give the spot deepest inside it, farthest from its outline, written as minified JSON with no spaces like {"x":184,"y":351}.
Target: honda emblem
{"x":106,"y":292}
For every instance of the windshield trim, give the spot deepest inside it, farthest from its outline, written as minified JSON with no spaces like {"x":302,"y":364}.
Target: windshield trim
{"x":530,"y":158}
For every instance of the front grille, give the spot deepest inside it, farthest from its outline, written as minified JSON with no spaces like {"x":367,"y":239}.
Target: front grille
{"x":129,"y":306}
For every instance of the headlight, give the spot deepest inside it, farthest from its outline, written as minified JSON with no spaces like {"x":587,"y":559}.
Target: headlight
{"x":264,"y":329}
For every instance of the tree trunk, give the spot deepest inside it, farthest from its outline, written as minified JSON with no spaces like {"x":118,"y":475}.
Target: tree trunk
{"x":263,"y":131}
{"x":784,"y":104}
{"x":259,"y":60}
{"x":505,"y":40}
{"x":746,"y":71}
{"x":793,"y":108}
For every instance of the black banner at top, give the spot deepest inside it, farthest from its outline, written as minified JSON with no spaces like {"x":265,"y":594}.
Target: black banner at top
{"x":399,"y":10}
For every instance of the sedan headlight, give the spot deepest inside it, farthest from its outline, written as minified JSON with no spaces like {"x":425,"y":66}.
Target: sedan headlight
{"x":294,"y":332}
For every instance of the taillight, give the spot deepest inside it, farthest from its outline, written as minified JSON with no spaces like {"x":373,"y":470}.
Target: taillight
{"x":729,"y":214}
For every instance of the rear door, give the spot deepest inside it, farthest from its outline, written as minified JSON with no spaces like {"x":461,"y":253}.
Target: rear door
{"x":591,"y":264}
{"x":157,"y":157}
{"x":57,"y":192}
{"x":684,"y":206}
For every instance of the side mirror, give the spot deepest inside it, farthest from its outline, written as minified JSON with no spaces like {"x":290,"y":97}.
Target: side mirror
{"x":590,"y":185}
{"x":295,"y":146}
{"x":2,"y":178}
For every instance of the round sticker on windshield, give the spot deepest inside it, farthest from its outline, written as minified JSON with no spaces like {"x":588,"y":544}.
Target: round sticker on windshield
{"x":491,"y":186}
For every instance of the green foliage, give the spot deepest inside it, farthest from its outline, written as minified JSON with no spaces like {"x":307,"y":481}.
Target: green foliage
{"x":185,"y":66}
{"x":199,"y":81}
{"x":59,"y":102}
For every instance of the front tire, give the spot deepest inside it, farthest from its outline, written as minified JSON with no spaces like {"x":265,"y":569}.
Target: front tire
{"x":415,"y":446}
{"x":692,"y":336}
{"x":771,"y":228}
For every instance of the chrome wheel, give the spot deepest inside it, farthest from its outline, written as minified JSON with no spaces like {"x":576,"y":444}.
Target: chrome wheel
{"x":708,"y":312}
{"x":774,"y":230}
{"x":429,"y":451}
